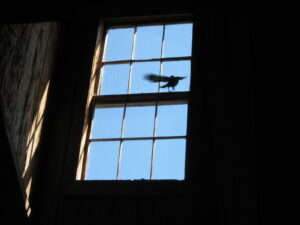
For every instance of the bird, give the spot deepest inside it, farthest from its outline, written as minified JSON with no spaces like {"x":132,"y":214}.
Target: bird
{"x":172,"y":81}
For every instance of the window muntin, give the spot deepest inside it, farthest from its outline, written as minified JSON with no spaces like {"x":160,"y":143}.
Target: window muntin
{"x":114,"y":79}
{"x":176,"y":45}
{"x":148,"y":42}
{"x":107,"y":122}
{"x":142,"y":119}
{"x":103,"y":160}
{"x":138,"y":84}
{"x":118,"y":48}
{"x":169,"y":159}
{"x":146,"y":122}
{"x":136,"y":160}
{"x":171,"y":120}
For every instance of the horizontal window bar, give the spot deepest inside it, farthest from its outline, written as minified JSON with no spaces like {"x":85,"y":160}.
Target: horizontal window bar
{"x":122,"y":22}
{"x":137,"y":138}
{"x":173,"y":98}
{"x":147,"y":60}
{"x":145,"y":24}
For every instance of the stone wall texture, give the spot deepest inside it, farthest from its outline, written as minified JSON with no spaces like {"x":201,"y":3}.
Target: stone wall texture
{"x":27,"y":60}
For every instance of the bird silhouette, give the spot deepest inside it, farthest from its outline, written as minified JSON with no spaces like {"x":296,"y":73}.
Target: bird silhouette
{"x":172,"y":81}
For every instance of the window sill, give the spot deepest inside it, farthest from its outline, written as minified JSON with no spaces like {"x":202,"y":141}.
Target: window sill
{"x":126,"y":187}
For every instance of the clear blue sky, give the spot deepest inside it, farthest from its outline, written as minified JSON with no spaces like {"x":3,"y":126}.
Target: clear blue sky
{"x":169,"y":157}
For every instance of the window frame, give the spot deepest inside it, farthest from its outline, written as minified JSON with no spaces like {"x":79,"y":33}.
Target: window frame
{"x":94,"y":99}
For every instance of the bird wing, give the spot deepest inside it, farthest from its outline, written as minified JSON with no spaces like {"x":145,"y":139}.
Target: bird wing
{"x":156,"y":78}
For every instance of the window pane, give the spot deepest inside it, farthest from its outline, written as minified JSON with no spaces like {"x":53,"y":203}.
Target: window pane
{"x":169,"y":161}
{"x":178,"y":68}
{"x":107,"y":122}
{"x":178,"y":40}
{"x":171,"y":120}
{"x":119,"y":44}
{"x":115,"y":79}
{"x":139,"y":121}
{"x":103,"y":161}
{"x":148,"y":42}
{"x":136,"y":160}
{"x":138,"y":83}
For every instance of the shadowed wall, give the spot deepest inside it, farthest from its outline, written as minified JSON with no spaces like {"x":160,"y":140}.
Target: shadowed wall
{"x":27,"y":57}
{"x":238,"y":110}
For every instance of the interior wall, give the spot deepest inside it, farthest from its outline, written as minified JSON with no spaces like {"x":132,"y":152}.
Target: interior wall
{"x":229,"y":168}
{"x":27,"y":58}
{"x":221,"y":185}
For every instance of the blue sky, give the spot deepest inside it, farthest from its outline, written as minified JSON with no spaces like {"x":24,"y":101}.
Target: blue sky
{"x":171,"y":120}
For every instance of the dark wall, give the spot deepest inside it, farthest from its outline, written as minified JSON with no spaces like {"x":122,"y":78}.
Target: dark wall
{"x":12,"y":202}
{"x":220,"y":185}
{"x":27,"y":57}
{"x":276,"y":47}
{"x":242,"y":102}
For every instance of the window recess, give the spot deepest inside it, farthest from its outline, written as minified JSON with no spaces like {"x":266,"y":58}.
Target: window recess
{"x":138,"y":127}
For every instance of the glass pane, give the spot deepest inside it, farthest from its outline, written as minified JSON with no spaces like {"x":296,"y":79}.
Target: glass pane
{"x":171,"y":120}
{"x":169,"y":161}
{"x":178,"y":40}
{"x":103,"y":161}
{"x":107,"y":122}
{"x":148,"y":42}
{"x":139,"y":121}
{"x":115,"y":79}
{"x":138,"y":83}
{"x":136,"y":160}
{"x":181,"y":69}
{"x":119,"y":44}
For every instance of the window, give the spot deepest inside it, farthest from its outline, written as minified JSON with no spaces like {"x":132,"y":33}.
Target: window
{"x":138,"y":128}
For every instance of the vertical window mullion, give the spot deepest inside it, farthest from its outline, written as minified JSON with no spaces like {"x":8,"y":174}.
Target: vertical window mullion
{"x":162,"y":53}
{"x":153,"y":143}
{"x":132,"y":57}
{"x":156,"y":103}
{"x":125,"y":106}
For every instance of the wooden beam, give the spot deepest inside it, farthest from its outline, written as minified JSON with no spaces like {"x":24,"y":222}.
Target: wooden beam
{"x":150,"y":99}
{"x":137,"y":138}
{"x":130,"y":61}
